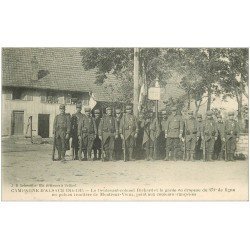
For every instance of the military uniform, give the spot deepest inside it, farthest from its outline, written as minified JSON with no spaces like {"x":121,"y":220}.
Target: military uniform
{"x":139,"y":150}
{"x":151,"y":132}
{"x":87,"y":132}
{"x":210,"y":134}
{"x":97,"y":145}
{"x":198,"y":147}
{"x":190,"y":133}
{"x":118,"y":140}
{"x":219,"y":145}
{"x":61,"y":130}
{"x":161,"y":138}
{"x":75,"y":120}
{"x":107,"y":131}
{"x":173,"y":128}
{"x":231,"y":136}
{"x":129,"y":130}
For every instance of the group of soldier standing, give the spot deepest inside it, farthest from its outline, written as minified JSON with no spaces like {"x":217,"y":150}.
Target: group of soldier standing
{"x":122,"y":136}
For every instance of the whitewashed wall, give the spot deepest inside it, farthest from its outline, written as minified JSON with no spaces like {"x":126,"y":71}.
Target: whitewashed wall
{"x":30,"y":108}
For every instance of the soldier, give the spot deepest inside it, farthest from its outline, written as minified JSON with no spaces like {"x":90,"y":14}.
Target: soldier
{"x":151,"y":129}
{"x":86,"y":133}
{"x":75,"y":120}
{"x":209,"y":136}
{"x":67,"y":142}
{"x":128,"y":131}
{"x":107,"y":133}
{"x":97,"y":141}
{"x":118,"y":140}
{"x":173,"y":133}
{"x":191,"y":135}
{"x":139,"y":150}
{"x":61,"y":130}
{"x":162,"y":139}
{"x":198,"y":148}
{"x":231,"y":136}
{"x":219,"y":143}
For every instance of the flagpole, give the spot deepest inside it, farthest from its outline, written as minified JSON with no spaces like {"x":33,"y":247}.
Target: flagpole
{"x":136,"y":80}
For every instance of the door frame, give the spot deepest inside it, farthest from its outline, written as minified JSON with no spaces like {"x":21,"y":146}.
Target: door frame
{"x":12,"y":121}
{"x":39,"y":126}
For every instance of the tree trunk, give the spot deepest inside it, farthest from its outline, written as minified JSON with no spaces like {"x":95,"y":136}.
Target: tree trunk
{"x":189,"y":101}
{"x":240,"y":118}
{"x":209,"y":98}
{"x":136,"y":80}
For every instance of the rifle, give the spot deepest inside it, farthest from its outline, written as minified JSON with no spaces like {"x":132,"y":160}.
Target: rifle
{"x":204,"y":147}
{"x":72,"y":151}
{"x":80,"y":149}
{"x":124,"y":138}
{"x":54,"y":147}
{"x":103,"y":153}
{"x":226,"y":150}
{"x":185,"y":148}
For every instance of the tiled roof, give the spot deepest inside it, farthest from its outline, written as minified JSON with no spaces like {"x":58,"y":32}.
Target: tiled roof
{"x":64,"y":66}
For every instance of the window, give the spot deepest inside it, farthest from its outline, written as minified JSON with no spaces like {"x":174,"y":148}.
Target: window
{"x":43,"y":97}
{"x":17,"y":94}
{"x":29,"y":97}
{"x":68,"y":99}
{"x":52,"y":97}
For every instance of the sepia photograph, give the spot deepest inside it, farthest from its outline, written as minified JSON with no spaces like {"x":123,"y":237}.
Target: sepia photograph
{"x":125,"y":124}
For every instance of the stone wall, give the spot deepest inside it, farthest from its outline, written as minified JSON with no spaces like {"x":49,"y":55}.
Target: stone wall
{"x":242,"y":145}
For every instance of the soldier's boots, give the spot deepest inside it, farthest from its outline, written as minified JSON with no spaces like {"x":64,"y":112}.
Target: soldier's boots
{"x":151,"y":153}
{"x":63,"y":157}
{"x":231,"y":157}
{"x":130,"y":151}
{"x":175,"y":154}
{"x":209,"y":157}
{"x":99,"y":154}
{"x":192,"y":157}
{"x":111,"y":156}
{"x":95,"y":154}
{"x":59,"y":156}
{"x":220,"y":156}
{"x":85,"y":155}
{"x":167,"y":156}
{"x":147,"y":155}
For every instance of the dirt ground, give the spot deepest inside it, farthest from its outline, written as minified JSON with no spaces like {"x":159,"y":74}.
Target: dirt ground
{"x":28,"y":173}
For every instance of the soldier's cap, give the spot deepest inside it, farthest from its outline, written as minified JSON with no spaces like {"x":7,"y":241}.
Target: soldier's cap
{"x":164,"y":112}
{"x":78,"y":105}
{"x":219,"y":116}
{"x":128,"y":107}
{"x":108,"y":108}
{"x":199,"y":116}
{"x":97,"y":111}
{"x":209,"y":113}
{"x":190,"y":112}
{"x":173,"y":109}
{"x":231,"y":113}
{"x":62,"y":106}
{"x":87,"y":109}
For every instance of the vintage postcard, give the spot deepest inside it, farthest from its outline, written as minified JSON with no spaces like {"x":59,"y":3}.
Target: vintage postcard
{"x":125,"y":124}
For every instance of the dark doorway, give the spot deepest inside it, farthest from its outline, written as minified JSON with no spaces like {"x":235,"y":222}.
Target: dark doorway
{"x":43,"y":125}
{"x":17,"y":123}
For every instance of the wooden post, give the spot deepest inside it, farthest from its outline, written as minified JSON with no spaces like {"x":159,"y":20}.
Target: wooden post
{"x":136,"y":81}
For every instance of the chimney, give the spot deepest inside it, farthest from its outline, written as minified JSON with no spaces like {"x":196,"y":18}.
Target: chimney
{"x":34,"y":69}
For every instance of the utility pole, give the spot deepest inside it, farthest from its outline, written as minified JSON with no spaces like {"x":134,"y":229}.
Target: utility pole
{"x":136,"y":80}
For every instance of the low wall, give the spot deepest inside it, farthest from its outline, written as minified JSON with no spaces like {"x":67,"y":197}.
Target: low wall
{"x":242,"y":145}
